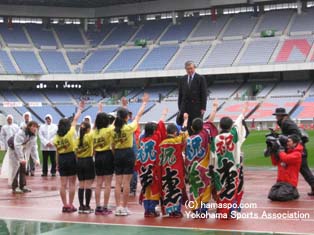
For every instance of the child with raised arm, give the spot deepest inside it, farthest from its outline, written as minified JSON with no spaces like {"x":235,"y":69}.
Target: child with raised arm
{"x":66,"y":159}
{"x":172,"y":170}
{"x":225,"y":166}
{"x":147,"y":164}
{"x":197,"y":156}
{"x":122,"y":135}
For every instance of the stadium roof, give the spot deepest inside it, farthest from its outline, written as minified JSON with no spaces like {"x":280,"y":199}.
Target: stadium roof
{"x":71,"y":3}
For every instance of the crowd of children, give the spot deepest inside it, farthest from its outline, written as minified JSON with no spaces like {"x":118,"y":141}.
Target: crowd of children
{"x":173,"y":167}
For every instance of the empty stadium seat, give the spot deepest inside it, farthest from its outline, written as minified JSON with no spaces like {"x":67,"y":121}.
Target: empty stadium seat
{"x":54,"y":62}
{"x":41,"y":36}
{"x":195,"y":52}
{"x":27,"y":62}
{"x":127,"y":60}
{"x":181,"y":30}
{"x":258,"y":52}
{"x":120,"y":35}
{"x":151,"y":30}
{"x":223,"y":54}
{"x":158,"y":58}
{"x":295,"y":50}
{"x":98,"y":60}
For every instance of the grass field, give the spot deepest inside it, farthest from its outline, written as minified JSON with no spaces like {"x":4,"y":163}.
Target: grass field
{"x":253,"y":149}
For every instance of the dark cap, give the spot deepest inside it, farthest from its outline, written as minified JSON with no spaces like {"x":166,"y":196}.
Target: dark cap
{"x":280,"y":111}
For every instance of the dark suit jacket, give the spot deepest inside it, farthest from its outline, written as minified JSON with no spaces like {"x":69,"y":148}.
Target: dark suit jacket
{"x":192,"y":99}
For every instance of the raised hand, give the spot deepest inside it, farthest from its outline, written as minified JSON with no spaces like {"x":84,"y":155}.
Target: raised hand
{"x":145,"y":98}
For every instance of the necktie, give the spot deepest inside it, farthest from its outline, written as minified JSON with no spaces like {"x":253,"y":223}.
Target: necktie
{"x":189,"y":80}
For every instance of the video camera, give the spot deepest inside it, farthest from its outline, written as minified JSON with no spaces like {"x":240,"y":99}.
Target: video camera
{"x":274,"y":142}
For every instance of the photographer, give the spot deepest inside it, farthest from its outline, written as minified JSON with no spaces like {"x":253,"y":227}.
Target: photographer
{"x":288,"y":160}
{"x":288,"y":127}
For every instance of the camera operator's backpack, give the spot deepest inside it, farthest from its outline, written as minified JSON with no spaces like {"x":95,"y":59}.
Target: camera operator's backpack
{"x":304,"y":136}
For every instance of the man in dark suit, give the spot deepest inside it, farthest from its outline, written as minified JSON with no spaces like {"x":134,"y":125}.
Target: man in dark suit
{"x":192,"y":95}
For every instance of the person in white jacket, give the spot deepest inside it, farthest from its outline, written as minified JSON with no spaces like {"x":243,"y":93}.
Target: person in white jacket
{"x":30,"y":167}
{"x":47,"y":132}
{"x":7,"y":131}
{"x":24,"y":142}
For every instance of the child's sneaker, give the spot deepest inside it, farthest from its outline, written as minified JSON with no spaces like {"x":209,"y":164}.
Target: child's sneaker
{"x":99,"y":210}
{"x":151,"y":214}
{"x":107,"y":211}
{"x":81,"y":209}
{"x":26,"y":190}
{"x":87,"y":210}
{"x":124,"y":212}
{"x":72,"y":209}
{"x":118,"y":211}
{"x":17,"y":191}
{"x":176,"y":215}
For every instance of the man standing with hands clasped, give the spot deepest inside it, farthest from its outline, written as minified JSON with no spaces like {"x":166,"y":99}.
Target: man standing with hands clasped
{"x":192,"y":95}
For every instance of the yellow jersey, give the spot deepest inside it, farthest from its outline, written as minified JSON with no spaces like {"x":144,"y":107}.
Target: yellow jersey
{"x":65,"y":144}
{"x":86,"y":150}
{"x":124,"y":139}
{"x":102,"y":139}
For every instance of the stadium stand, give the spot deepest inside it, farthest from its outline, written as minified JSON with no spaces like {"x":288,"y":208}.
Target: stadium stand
{"x":6,"y":63}
{"x":305,"y":111}
{"x":13,"y":35}
{"x":31,"y":96}
{"x":209,"y":29}
{"x":98,"y":60}
{"x":155,"y":113}
{"x":54,"y":61}
{"x":295,"y":50}
{"x":266,"y":109}
{"x":69,"y":35}
{"x":303,"y":23}
{"x":120,"y":35}
{"x":96,"y":36}
{"x":223,"y":54}
{"x":185,"y":53}
{"x":290,"y":89}
{"x":151,"y":30}
{"x":233,"y":109}
{"x":76,"y":57}
{"x":180,"y":31}
{"x":158,"y":58}
{"x":258,"y":52}
{"x":41,"y":36}
{"x":240,"y":26}
{"x":222,"y":90}
{"x":275,"y":20}
{"x":127,"y":60}
{"x":54,"y":96}
{"x":27,"y":62}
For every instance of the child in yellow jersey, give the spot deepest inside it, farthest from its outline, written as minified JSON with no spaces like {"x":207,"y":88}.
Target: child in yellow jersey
{"x":64,"y":142}
{"x":124,"y":158}
{"x":103,"y":161}
{"x":85,"y":166}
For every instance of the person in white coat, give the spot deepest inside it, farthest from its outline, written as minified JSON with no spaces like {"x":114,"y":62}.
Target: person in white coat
{"x":30,"y":168}
{"x":47,"y":132}
{"x":24,"y":142}
{"x":7,"y":131}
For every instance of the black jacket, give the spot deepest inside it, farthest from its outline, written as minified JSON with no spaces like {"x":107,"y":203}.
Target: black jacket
{"x":288,"y":127}
{"x":192,"y":99}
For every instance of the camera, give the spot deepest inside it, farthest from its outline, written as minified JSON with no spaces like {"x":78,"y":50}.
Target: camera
{"x":274,"y":142}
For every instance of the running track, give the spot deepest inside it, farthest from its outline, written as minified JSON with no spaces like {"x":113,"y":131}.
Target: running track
{"x":43,"y":204}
